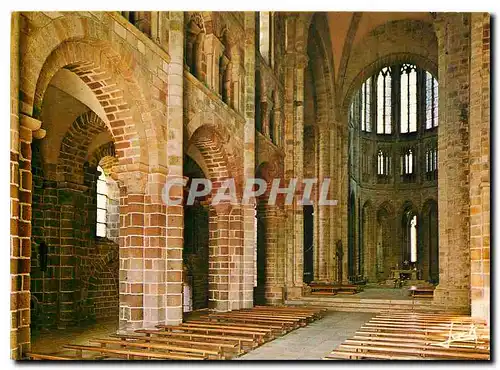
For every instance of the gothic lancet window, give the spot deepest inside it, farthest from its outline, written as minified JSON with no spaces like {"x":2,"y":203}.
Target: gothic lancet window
{"x":265,"y":36}
{"x":431,"y":101}
{"x":366,"y":106}
{"x":102,"y":203}
{"x":384,"y":103}
{"x":408,"y":101}
{"x":383,"y":163}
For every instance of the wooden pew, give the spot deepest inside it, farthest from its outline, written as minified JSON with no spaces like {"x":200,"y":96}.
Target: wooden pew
{"x":418,"y":341}
{"x":424,"y":316}
{"x":181,"y":350}
{"x":319,"y":312}
{"x":427,"y":353}
{"x":257,"y":336}
{"x":422,"y":292}
{"x":276,"y":329}
{"x":44,"y":356}
{"x":210,"y":324}
{"x":422,"y":327}
{"x":440,"y":336}
{"x":284,"y":326}
{"x":226,"y":349}
{"x":264,"y":317}
{"x":131,"y":354}
{"x":242,"y":342}
{"x":343,"y":354}
{"x":259,"y":320}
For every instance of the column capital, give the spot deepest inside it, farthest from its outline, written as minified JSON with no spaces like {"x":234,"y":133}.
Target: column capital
{"x":29,"y":122}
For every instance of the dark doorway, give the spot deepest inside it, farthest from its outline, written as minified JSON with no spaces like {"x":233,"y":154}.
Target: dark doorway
{"x":308,"y":243}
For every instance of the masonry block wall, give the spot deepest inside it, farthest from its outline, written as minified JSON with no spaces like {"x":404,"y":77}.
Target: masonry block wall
{"x":480,"y":164}
{"x":200,"y":85}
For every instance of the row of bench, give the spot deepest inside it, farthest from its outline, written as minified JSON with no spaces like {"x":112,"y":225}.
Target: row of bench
{"x":214,"y":336}
{"x":323,"y":288}
{"x":417,"y":336}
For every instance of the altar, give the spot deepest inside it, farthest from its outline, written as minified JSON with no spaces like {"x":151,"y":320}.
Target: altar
{"x":398,"y":274}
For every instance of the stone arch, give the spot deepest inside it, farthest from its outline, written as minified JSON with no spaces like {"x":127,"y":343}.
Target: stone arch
{"x":84,"y":47}
{"x":104,"y":156}
{"x":73,"y":150}
{"x":211,"y":140}
{"x":396,"y":41}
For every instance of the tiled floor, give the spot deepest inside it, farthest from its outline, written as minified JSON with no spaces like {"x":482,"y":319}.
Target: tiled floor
{"x":312,"y":342}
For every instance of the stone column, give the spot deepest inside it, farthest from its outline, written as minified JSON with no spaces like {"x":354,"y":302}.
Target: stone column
{"x":23,"y":129}
{"x":453,"y":34}
{"x":132,"y":251}
{"x":324,"y":242}
{"x":480,"y":165}
{"x":174,"y":154}
{"x":218,"y":271}
{"x":248,"y":211}
{"x":274,"y":283}
{"x":214,"y":50}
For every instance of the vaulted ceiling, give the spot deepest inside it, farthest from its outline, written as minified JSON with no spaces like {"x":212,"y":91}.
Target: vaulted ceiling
{"x":347,"y":29}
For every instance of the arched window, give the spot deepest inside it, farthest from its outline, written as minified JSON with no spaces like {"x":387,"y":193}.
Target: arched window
{"x":102,"y":203}
{"x":431,"y":101}
{"x":407,"y":163}
{"x":413,"y":239}
{"x":408,"y":86}
{"x":384,"y":101}
{"x":383,"y":166}
{"x":431,"y":163}
{"x":366,"y":106}
{"x":265,"y":36}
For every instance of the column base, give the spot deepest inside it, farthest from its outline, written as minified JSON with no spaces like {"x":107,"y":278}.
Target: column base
{"x":274,"y":295}
{"x":454,"y":299}
{"x":293,"y":292}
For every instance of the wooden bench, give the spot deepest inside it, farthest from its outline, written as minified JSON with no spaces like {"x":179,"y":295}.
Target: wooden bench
{"x":224,"y":348}
{"x":43,"y":356}
{"x":256,"y":336}
{"x":263,"y":316}
{"x":440,"y":336}
{"x":415,"y":341}
{"x":269,"y":331}
{"x":288,"y":324}
{"x":210,"y":353}
{"x":323,"y":288}
{"x":421,"y":292}
{"x":240,"y":341}
{"x":276,"y":329}
{"x":342,"y":354}
{"x":318,"y":312}
{"x":285,"y":326}
{"x":130,"y":354}
{"x":427,"y":353}
{"x":423,"y":316}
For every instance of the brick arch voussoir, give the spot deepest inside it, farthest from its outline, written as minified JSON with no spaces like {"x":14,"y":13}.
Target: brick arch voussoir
{"x":104,"y":156}
{"x":218,"y":159}
{"x":111,"y":78}
{"x":73,"y":150}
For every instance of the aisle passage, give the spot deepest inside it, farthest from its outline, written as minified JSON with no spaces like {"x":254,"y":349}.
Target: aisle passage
{"x":314,"y":341}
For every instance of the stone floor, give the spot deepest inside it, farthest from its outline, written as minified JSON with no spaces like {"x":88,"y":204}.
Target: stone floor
{"x":52,"y":341}
{"x":312,"y":342}
{"x":309,"y":343}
